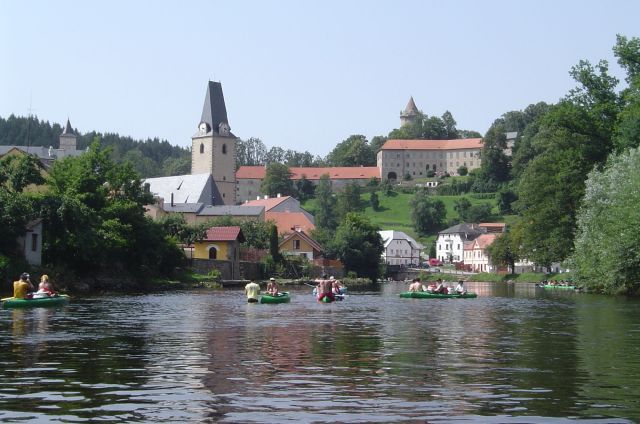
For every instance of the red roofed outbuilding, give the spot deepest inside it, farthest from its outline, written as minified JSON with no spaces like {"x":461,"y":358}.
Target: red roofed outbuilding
{"x":221,"y":244}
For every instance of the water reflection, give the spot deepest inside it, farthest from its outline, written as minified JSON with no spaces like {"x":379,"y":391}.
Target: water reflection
{"x":209,"y":356}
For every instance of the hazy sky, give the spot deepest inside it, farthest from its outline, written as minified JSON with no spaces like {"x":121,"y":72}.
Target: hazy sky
{"x":297,"y":74}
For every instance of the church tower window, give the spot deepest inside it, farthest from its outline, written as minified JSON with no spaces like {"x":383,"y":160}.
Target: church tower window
{"x":224,"y":149}
{"x":201,"y":147}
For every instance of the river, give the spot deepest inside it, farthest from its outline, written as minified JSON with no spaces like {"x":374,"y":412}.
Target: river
{"x":515,"y":354}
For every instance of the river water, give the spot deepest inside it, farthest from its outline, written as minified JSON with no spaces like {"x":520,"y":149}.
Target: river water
{"x":515,"y":354}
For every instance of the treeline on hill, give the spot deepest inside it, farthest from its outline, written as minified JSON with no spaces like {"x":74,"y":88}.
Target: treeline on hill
{"x":573,"y":177}
{"x":356,"y":150}
{"x":150,"y":158}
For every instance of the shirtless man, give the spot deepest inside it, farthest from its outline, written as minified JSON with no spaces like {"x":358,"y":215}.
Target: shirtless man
{"x":324,"y":288}
{"x":415,"y":286}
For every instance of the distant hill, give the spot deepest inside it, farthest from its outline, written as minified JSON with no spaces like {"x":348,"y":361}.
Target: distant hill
{"x":150,"y":157}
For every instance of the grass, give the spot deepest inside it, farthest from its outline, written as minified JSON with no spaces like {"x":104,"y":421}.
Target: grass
{"x":395,"y":212}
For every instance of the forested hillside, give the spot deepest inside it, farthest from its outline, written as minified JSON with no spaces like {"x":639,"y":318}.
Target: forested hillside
{"x":150,"y":157}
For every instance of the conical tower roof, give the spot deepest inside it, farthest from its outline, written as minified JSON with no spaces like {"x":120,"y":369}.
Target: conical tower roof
{"x":68,"y":129}
{"x":411,"y":108}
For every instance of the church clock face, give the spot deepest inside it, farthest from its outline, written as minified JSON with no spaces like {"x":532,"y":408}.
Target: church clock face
{"x":223,"y":128}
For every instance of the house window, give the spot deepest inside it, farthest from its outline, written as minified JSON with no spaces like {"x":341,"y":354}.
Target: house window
{"x":213,"y":253}
{"x":34,"y":242}
{"x":296,"y":244}
{"x":201,"y":147}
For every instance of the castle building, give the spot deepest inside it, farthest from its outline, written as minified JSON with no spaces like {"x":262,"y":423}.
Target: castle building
{"x":410,"y":113}
{"x":213,"y":147}
{"x":398,"y":158}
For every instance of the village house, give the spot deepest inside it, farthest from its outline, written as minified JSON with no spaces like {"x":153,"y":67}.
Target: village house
{"x":67,"y":147}
{"x":400,"y":249}
{"x":31,"y":242}
{"x":220,"y":249}
{"x":298,"y":243}
{"x":450,"y":242}
{"x":476,"y":257}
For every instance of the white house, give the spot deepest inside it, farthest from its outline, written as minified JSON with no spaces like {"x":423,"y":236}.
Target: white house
{"x":450,"y":242}
{"x":400,"y":249}
{"x":31,"y":242}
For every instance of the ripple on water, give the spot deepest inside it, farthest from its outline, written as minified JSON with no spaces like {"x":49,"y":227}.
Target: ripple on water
{"x":210,"y":356}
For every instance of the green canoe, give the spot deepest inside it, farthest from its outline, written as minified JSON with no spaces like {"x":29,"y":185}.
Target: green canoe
{"x":550,"y":286}
{"x":282,"y":297}
{"x":427,"y":295}
{"x":12,"y":302}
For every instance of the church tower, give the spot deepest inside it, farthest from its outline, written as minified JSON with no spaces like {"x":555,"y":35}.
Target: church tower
{"x":213,"y":147}
{"x":68,"y":138}
{"x":410,"y":113}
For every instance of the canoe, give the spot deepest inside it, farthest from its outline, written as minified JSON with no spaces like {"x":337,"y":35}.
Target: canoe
{"x":336,"y":298}
{"x":549,"y":286}
{"x":282,"y":297}
{"x":427,"y":295}
{"x":343,"y":291}
{"x":12,"y":302}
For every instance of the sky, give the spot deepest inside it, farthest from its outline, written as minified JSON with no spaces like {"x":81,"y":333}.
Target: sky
{"x":301,"y":75}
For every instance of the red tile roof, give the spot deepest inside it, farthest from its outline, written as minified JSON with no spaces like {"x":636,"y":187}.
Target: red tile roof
{"x":288,"y":221}
{"x":268,"y":204}
{"x":462,"y":143}
{"x":224,"y":234}
{"x":483,"y":241}
{"x":335,"y":173}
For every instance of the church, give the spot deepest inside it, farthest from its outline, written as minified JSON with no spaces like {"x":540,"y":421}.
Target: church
{"x":212,"y":181}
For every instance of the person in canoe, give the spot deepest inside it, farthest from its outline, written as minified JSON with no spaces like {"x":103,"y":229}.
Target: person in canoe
{"x":45,"y":288}
{"x":416,"y":285}
{"x":252,"y":290}
{"x":336,"y":286}
{"x":22,"y":289}
{"x":272,"y":287}
{"x":460,"y":289}
{"x":325,"y":287}
{"x":440,"y":288}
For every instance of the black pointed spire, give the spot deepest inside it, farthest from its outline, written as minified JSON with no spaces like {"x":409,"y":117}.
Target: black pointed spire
{"x":68,"y":129}
{"x":214,"y":111}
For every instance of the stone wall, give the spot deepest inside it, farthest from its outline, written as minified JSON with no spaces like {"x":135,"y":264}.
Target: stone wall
{"x":204,"y":266}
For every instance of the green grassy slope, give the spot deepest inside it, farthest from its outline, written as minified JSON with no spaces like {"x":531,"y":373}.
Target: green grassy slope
{"x":395,"y":212}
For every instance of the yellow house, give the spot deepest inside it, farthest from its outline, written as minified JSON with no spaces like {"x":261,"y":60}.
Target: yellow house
{"x":300,"y":244}
{"x":220,"y":243}
{"x":220,"y":249}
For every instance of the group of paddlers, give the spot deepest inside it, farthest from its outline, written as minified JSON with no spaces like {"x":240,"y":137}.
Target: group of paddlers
{"x":24,"y":288}
{"x":436,"y":288}
{"x":328,"y":287}
{"x":252,"y":290}
{"x":561,"y":283}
